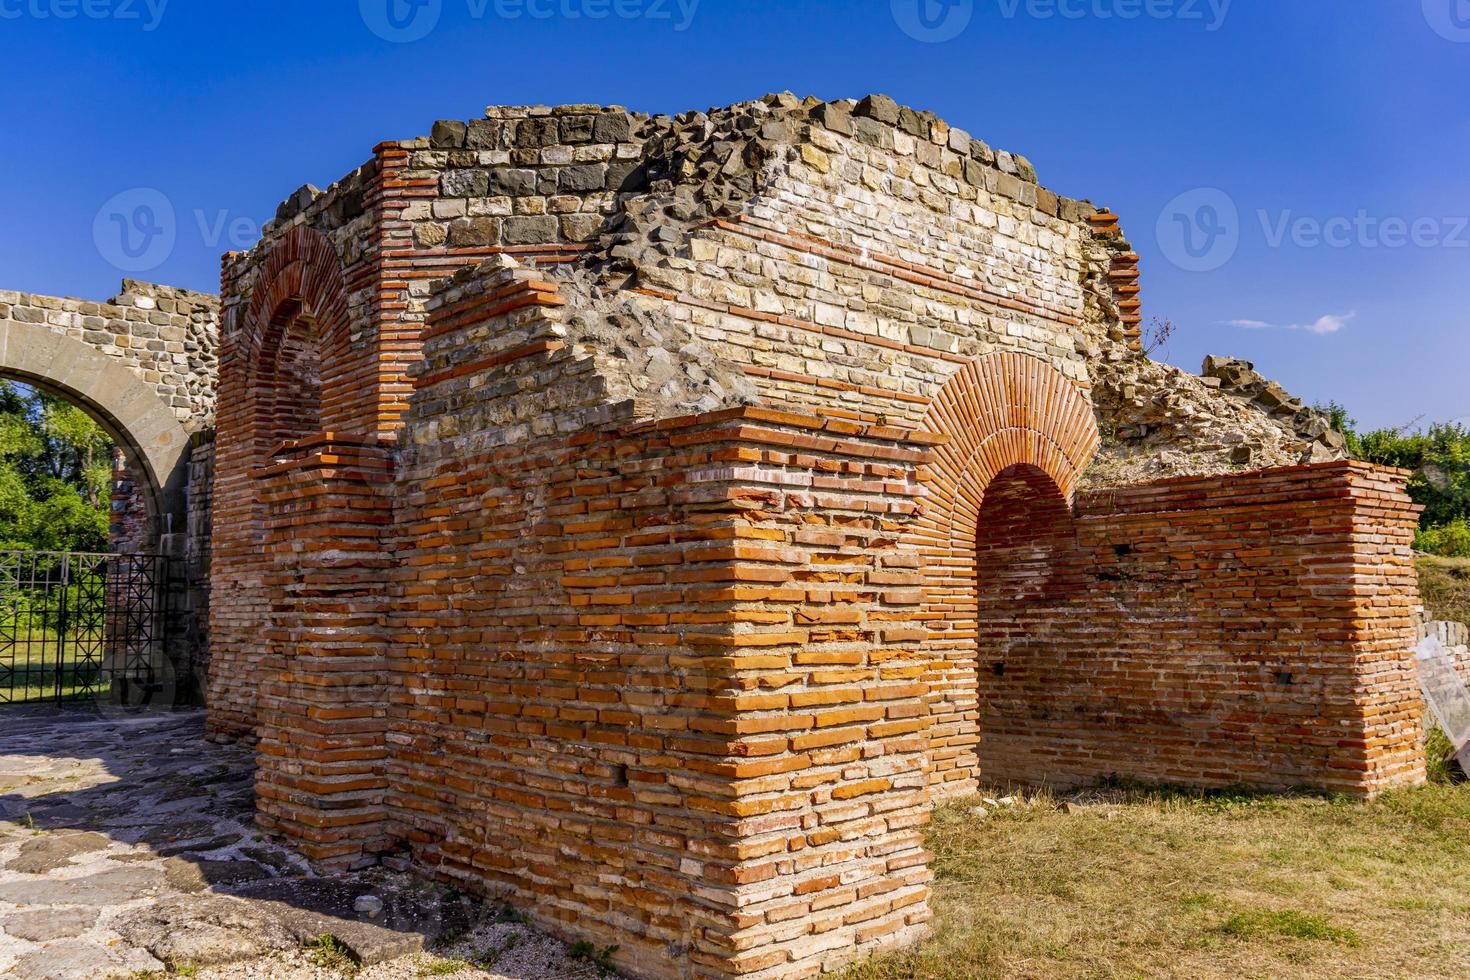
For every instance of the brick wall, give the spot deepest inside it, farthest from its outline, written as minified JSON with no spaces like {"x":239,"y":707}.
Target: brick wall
{"x":1255,"y":629}
{"x":128,"y":529}
{"x":674,"y":666}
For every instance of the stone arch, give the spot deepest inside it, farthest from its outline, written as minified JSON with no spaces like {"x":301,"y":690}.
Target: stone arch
{"x":153,"y":440}
{"x":1003,"y":412}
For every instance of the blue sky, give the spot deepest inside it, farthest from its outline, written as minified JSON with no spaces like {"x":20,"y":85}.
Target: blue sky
{"x":1293,"y":173}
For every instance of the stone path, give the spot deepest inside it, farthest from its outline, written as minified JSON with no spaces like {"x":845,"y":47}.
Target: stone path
{"x":127,"y":848}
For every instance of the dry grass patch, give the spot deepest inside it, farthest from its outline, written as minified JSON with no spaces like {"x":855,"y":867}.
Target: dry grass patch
{"x":1444,"y":584}
{"x":1153,"y":883}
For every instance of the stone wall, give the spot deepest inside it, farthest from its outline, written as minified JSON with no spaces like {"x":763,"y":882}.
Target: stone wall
{"x":165,"y":336}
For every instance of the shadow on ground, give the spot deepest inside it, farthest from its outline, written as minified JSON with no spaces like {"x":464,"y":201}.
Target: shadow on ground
{"x":127,"y":846}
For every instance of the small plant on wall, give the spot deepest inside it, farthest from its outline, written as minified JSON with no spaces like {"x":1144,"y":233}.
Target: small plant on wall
{"x":1156,"y":337}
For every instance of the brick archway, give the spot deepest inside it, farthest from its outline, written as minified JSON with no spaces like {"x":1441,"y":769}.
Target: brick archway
{"x":301,"y":280}
{"x":1001,"y":412}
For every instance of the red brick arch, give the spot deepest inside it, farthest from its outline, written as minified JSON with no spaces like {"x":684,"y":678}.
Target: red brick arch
{"x":302,"y":277}
{"x":1005,"y":411}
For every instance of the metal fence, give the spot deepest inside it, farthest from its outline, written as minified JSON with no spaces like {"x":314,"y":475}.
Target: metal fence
{"x":79,"y":626}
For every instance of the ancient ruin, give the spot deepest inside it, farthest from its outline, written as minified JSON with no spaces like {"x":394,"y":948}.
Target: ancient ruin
{"x":646,"y":519}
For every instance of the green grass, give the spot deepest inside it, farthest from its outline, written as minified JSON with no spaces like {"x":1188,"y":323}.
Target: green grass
{"x":328,"y":953}
{"x":1287,"y":923}
{"x":29,"y":672}
{"x":1143,"y":882}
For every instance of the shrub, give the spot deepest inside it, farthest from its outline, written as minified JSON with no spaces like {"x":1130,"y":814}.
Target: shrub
{"x":1450,"y":540}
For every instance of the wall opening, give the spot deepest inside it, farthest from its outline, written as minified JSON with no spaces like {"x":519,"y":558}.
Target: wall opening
{"x":74,"y":478}
{"x":1026,"y":573}
{"x":289,"y":383}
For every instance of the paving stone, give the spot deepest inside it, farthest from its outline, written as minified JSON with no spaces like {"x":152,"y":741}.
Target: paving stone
{"x":107,"y":887}
{"x":77,"y":960}
{"x":205,"y":930}
{"x":45,"y":925}
{"x":197,"y":874}
{"x":50,"y":851}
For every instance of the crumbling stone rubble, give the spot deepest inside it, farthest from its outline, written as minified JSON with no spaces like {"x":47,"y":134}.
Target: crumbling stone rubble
{"x":653,"y":360}
{"x":1159,"y":421}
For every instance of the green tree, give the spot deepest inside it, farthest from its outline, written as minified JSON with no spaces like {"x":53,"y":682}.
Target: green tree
{"x":1439,"y":460}
{"x":55,"y":468}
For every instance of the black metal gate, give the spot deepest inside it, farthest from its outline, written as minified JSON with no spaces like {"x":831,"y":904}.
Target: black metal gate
{"x":78,"y":627}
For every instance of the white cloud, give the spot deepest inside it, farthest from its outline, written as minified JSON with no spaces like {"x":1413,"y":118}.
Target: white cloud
{"x":1323,"y":325}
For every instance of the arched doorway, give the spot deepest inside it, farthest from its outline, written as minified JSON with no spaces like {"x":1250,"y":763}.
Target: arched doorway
{"x":1018,"y":434}
{"x":1026,"y":568}
{"x":77,"y":623}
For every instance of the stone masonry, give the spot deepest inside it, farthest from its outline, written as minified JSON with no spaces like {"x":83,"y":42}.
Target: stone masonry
{"x":645,"y":519}
{"x":144,"y":365}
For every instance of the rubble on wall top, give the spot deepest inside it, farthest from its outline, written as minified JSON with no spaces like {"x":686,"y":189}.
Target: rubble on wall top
{"x":837,"y":115}
{"x":720,"y":152}
{"x":133,"y":288}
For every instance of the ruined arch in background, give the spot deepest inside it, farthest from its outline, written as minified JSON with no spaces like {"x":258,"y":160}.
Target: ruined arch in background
{"x":153,"y":440}
{"x":1006,"y":416}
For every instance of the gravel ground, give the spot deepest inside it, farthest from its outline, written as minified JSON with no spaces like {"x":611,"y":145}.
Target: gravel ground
{"x":502,"y":951}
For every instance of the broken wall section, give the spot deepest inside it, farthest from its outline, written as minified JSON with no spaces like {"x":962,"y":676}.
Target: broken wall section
{"x":1204,"y":631}
{"x":1159,"y":421}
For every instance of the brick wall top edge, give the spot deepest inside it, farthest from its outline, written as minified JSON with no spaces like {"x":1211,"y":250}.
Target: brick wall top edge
{"x":1347,"y":469}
